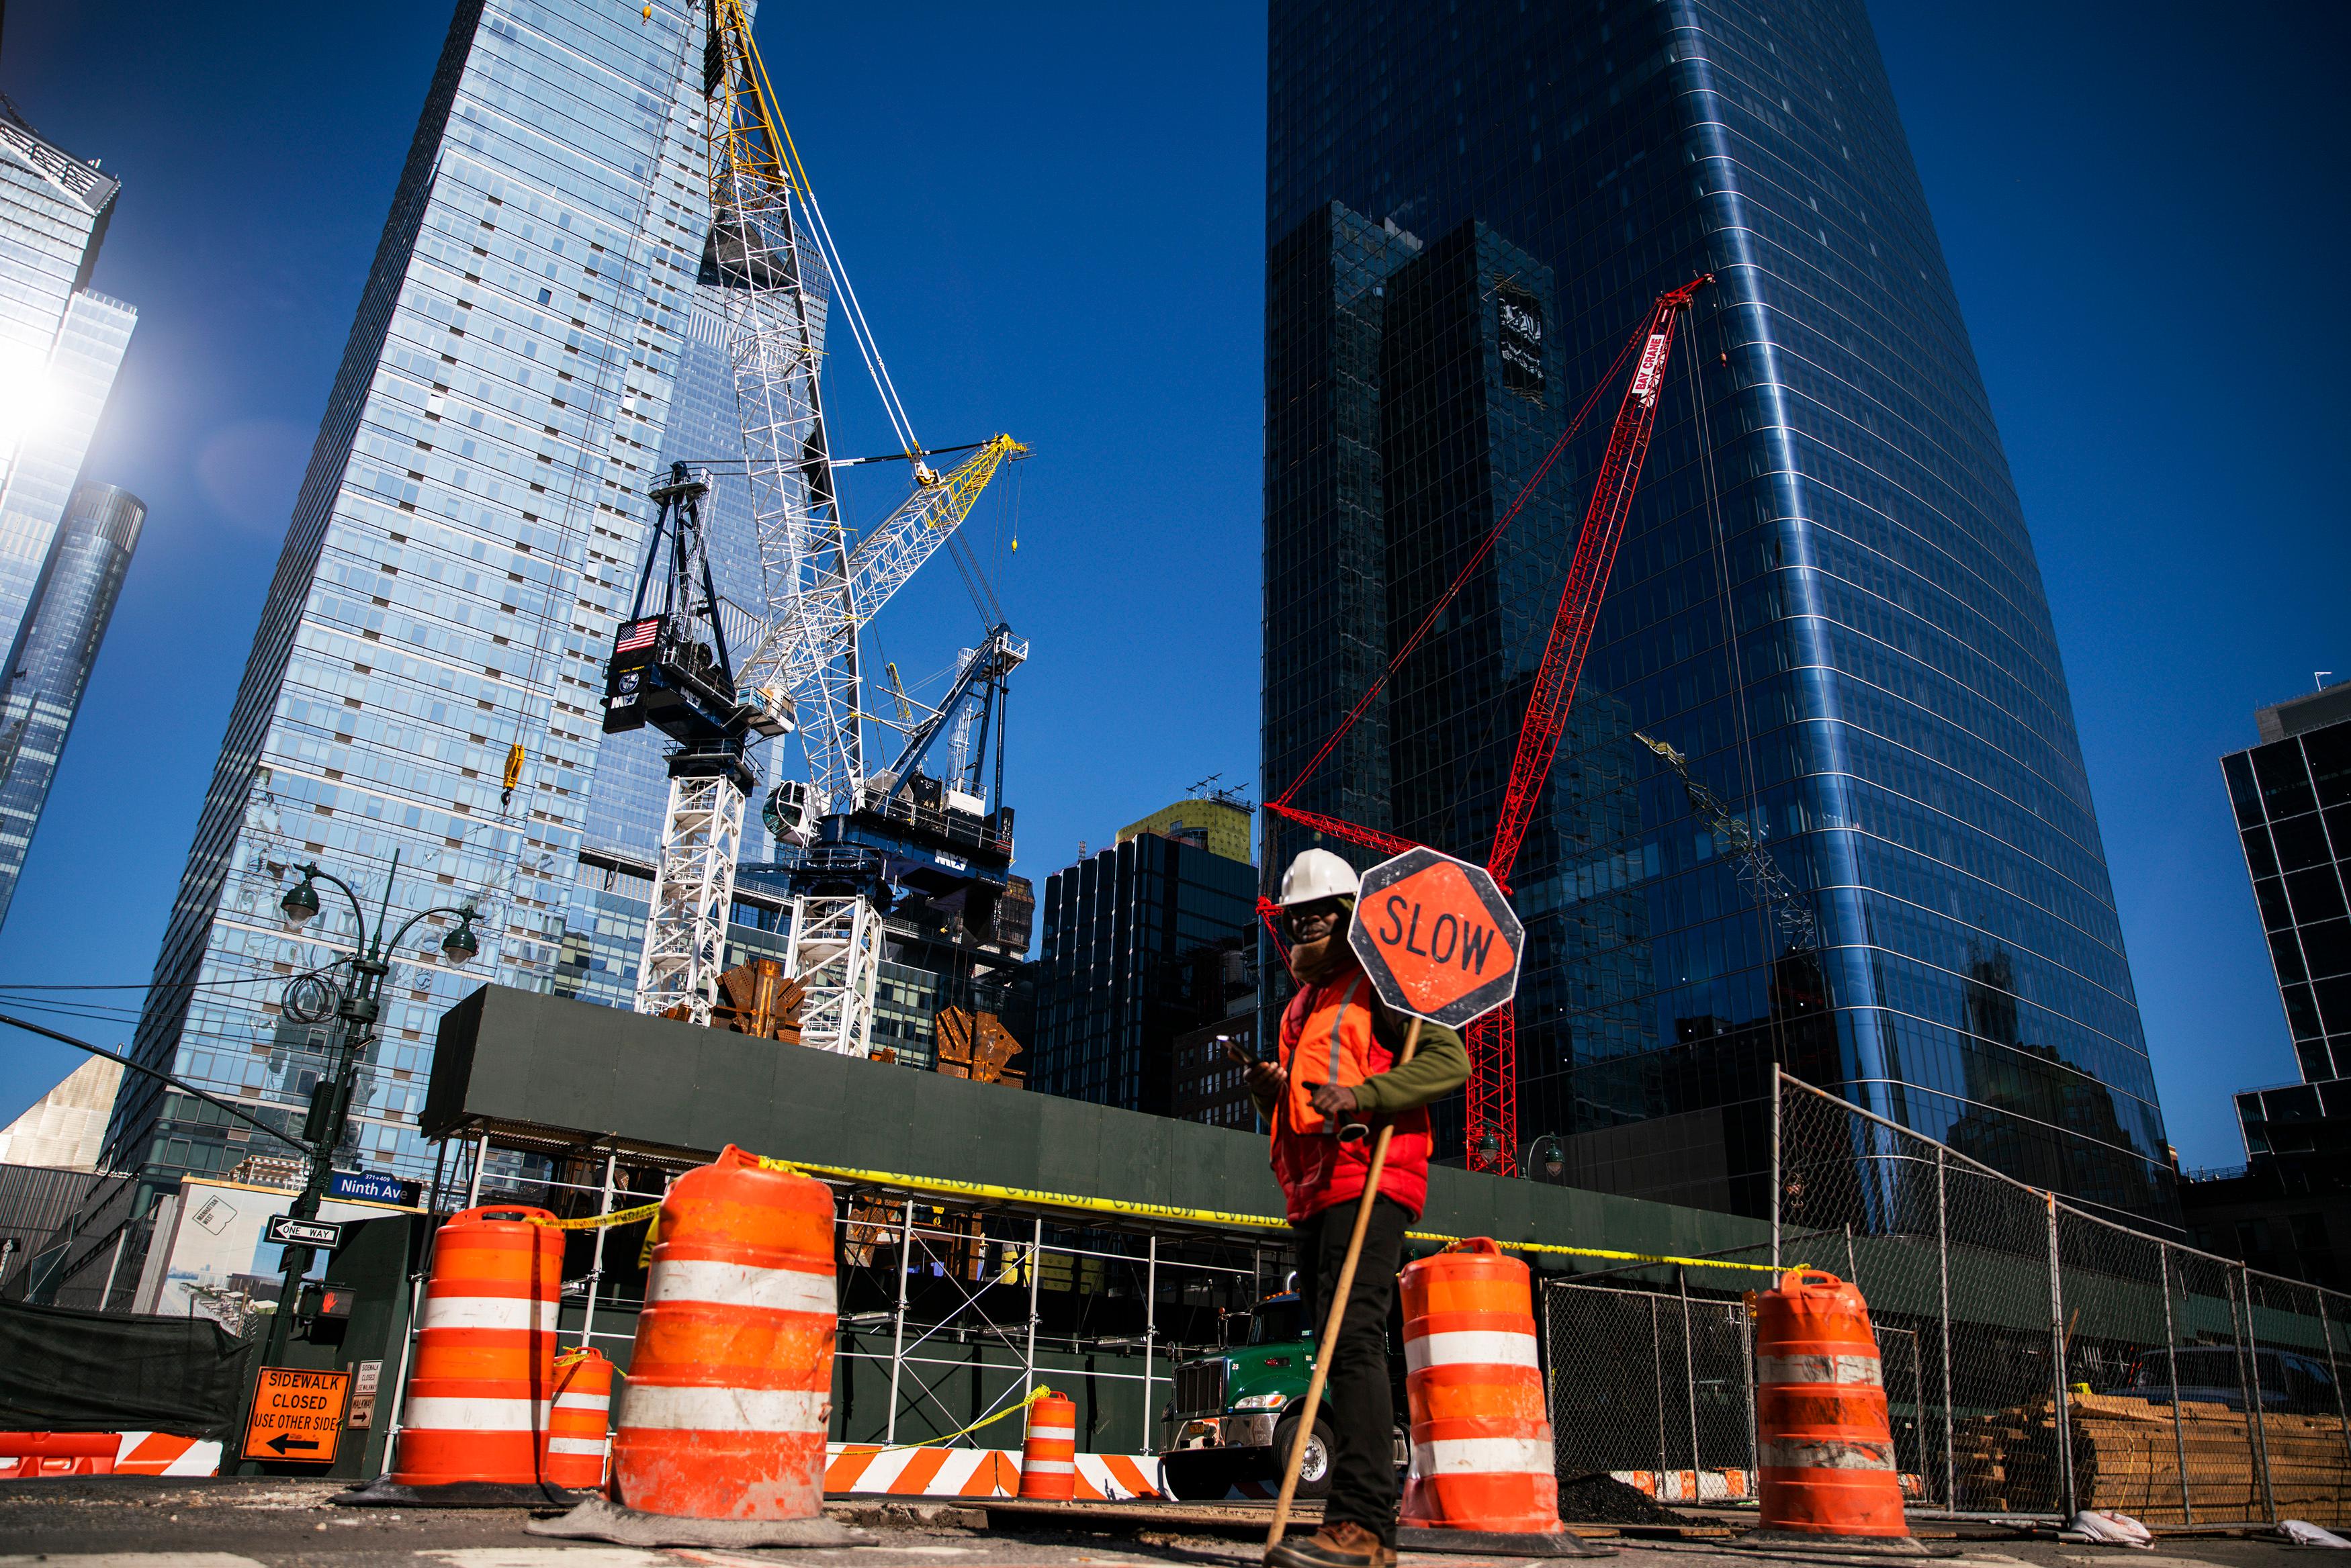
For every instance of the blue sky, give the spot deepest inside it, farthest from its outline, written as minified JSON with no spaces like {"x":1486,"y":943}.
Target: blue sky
{"x":1054,"y":217}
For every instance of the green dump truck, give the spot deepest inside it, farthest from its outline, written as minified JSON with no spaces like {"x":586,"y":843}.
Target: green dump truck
{"x":1231,"y":1425}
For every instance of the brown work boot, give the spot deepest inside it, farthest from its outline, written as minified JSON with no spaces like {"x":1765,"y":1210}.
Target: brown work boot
{"x":1345,"y":1544}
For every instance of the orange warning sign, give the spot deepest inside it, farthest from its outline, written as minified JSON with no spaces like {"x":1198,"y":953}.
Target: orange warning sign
{"x":1436,"y":937}
{"x":296,"y":1416}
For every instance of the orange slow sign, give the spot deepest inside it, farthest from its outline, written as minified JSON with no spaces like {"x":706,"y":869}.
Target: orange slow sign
{"x":1436,"y":937}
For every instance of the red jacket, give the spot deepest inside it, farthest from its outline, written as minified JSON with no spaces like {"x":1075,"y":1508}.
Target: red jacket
{"x":1328,"y":1037}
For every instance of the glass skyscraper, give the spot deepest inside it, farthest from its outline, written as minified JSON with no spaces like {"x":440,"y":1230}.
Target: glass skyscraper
{"x":1826,"y":596}
{"x":470,"y":528}
{"x":60,"y":346}
{"x":49,"y":669}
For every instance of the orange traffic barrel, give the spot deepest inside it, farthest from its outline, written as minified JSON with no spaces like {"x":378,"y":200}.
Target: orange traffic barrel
{"x":1826,"y":1447}
{"x":729,"y":1388}
{"x":477,"y":1398}
{"x":1048,"y":1454}
{"x":1482,"y":1443}
{"x":579,"y":1429}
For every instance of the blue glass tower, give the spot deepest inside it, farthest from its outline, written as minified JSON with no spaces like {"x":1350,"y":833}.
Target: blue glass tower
{"x":470,"y":528}
{"x":47,"y":670}
{"x":1826,"y":599}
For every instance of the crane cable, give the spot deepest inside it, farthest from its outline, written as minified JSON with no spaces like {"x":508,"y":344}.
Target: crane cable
{"x":983,"y":596}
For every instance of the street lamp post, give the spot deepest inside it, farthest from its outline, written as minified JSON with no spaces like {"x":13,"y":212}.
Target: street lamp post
{"x":1546,"y":1151}
{"x":357,"y":1007}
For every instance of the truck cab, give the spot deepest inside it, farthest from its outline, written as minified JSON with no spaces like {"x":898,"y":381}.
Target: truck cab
{"x":1229,"y":1425}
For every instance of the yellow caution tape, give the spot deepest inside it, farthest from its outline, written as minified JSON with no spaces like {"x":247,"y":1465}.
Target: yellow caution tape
{"x":1127,"y":1207}
{"x":604,"y":1221}
{"x":1119,"y":1206}
{"x":1040,"y":1392}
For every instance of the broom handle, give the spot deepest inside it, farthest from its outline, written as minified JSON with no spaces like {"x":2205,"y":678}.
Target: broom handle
{"x":1330,"y":1341}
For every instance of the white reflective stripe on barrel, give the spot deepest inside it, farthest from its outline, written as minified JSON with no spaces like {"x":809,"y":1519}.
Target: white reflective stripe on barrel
{"x":1819,"y":1370}
{"x":1053,"y":1434}
{"x":657,"y":1407}
{"x":575,"y":1445}
{"x":489,"y":1311}
{"x":1049,"y":1467}
{"x":1482,"y":1455}
{"x":739,"y":1285}
{"x":1480,"y":1346}
{"x":1825,"y":1454}
{"x":583,"y":1401}
{"x":437,"y":1413}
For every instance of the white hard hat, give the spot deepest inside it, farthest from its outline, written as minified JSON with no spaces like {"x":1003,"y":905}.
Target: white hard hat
{"x":1318,"y":874}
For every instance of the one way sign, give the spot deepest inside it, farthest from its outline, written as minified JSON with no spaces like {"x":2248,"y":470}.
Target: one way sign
{"x":284,"y":1229}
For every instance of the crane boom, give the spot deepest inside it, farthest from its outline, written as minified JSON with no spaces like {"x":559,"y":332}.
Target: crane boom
{"x":1492,"y":1131}
{"x":1766,"y":883}
{"x":1493,"y":1122}
{"x":809,"y":648}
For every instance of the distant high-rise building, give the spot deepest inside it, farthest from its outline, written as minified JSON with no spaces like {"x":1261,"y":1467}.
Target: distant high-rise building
{"x":1215,"y":823}
{"x":1221,"y":997}
{"x":65,"y":1130}
{"x":42,"y":683}
{"x":2292,"y":799}
{"x":60,"y":344}
{"x":2289,"y":1210}
{"x":471,"y":526}
{"x":1120,"y":929}
{"x":1826,"y":596}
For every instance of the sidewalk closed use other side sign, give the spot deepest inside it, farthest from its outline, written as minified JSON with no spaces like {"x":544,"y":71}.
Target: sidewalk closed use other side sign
{"x":296,"y":1416}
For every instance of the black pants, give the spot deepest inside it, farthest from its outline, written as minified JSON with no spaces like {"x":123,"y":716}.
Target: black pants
{"x":1358,"y":1401}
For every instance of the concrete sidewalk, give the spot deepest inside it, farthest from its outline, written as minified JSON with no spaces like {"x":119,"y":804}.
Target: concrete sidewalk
{"x":118,"y":1522}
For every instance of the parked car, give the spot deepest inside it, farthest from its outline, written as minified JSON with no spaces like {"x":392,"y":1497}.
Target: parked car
{"x":2290,"y":1384}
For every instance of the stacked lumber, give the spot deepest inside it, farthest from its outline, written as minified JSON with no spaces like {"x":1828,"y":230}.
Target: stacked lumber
{"x":2126,"y":1457}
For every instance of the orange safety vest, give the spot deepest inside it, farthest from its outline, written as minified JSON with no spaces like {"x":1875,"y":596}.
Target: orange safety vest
{"x":1327,"y":1037}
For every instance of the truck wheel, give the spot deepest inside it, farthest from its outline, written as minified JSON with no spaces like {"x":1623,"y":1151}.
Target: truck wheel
{"x":1314,"y":1473}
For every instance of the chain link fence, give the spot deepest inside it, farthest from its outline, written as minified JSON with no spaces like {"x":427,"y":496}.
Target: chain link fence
{"x":2056,"y":1360}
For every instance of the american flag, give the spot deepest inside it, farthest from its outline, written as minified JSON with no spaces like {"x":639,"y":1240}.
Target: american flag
{"x":639,"y":634}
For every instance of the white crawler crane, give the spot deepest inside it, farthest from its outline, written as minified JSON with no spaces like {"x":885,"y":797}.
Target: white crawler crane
{"x":776,"y":268}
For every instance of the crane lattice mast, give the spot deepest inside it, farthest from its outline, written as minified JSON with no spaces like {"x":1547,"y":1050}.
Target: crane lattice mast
{"x":777,"y":275}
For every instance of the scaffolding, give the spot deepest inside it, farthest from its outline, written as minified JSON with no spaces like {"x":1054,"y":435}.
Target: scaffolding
{"x":951,"y":1310}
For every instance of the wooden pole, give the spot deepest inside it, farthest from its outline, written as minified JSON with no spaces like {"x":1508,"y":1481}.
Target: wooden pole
{"x":1328,"y":1345}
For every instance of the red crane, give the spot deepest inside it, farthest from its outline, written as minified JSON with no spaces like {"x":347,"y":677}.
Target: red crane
{"x":1493,"y":1121}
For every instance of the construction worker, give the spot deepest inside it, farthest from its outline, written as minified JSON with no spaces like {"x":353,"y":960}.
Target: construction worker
{"x":1334,"y":1082}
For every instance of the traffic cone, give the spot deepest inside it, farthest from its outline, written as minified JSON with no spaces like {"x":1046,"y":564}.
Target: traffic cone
{"x":1049,"y":1453}
{"x":473,"y":1421}
{"x":579,"y":1430}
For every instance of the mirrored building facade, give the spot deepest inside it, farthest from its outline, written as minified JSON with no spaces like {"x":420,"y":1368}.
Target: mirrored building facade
{"x":49,"y":669}
{"x":470,"y":527}
{"x":2292,"y":795}
{"x":1826,"y":599}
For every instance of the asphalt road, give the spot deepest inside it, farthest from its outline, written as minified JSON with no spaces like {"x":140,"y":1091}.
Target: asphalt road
{"x":122,"y":1522}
